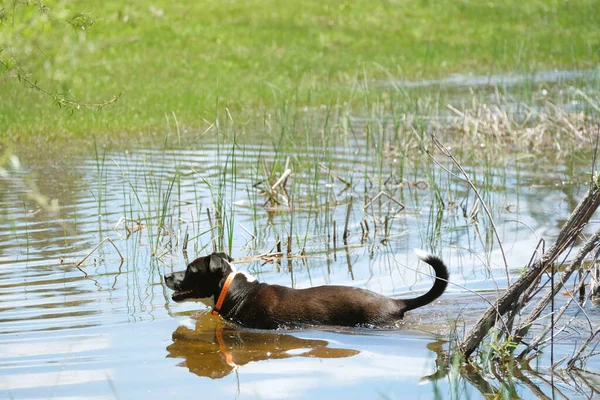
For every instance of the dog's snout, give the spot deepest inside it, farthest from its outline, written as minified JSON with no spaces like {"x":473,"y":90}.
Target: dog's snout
{"x":168,"y":276}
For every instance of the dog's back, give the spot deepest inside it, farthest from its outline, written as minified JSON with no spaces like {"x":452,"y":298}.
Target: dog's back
{"x":273,"y":306}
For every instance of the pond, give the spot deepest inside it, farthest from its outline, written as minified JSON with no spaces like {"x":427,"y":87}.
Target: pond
{"x":79,"y":322}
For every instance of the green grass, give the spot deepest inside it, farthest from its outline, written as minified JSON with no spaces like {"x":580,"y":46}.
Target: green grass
{"x":179,"y":59}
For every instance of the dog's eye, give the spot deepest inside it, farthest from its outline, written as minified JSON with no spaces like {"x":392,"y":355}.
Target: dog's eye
{"x":192,"y":269}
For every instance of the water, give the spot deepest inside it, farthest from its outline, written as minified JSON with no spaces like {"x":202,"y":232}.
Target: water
{"x":512,"y":80}
{"x":108,"y":329}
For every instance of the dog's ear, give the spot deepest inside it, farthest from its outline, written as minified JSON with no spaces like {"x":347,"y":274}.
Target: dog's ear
{"x":222,"y":255}
{"x":199,"y":263}
{"x":218,"y":265}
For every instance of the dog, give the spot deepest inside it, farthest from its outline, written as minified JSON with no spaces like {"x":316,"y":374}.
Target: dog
{"x":239,"y":297}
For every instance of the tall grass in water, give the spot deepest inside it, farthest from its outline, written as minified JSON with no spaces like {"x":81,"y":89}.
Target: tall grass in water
{"x":340,"y":150}
{"x":384,"y":141}
{"x":224,"y":188}
{"x":151,"y":202}
{"x":100,"y":183}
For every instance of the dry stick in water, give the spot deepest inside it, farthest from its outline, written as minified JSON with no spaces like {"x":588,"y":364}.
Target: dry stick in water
{"x":595,"y":281}
{"x":571,"y":229}
{"x":185,"y":245}
{"x":584,"y":346}
{"x":282,"y":178}
{"x":106,"y":239}
{"x":272,"y":190}
{"x":346,"y":231}
{"x":332,"y":175}
{"x":386,"y":227}
{"x":382,"y":193}
{"x":289,"y":253}
{"x":362,"y":235}
{"x":521,"y":331}
{"x":535,"y":390}
{"x":279,"y":252}
{"x":186,"y":237}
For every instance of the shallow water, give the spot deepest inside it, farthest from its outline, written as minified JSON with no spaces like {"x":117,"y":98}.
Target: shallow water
{"x":108,"y":329}
{"x":508,"y":80}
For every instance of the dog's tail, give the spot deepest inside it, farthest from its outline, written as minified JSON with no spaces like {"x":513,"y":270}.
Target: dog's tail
{"x":439,"y":286}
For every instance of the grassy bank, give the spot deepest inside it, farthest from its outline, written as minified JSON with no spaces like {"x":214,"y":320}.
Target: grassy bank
{"x":183,"y":58}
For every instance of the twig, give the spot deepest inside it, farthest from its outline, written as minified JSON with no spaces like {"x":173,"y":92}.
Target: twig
{"x":346,"y":231}
{"x":449,"y":154}
{"x":186,"y":237}
{"x":386,"y":227}
{"x":106,"y":239}
{"x":583,"y":347}
{"x":289,"y":253}
{"x":362,"y":236}
{"x":382,"y":193}
{"x":282,"y":178}
{"x":331,"y":174}
{"x":62,"y":101}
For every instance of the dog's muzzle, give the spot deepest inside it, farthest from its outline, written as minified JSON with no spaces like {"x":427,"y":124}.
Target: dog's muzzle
{"x":173,"y":281}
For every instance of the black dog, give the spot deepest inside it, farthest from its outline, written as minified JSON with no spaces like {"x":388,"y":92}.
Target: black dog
{"x":238,"y":297}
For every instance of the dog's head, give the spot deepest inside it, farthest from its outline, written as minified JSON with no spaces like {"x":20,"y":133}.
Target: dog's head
{"x":200,"y":280}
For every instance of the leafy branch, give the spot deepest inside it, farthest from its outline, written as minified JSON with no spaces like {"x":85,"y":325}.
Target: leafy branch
{"x":12,"y":64}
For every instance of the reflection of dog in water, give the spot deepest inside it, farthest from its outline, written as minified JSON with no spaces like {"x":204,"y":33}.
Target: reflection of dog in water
{"x":214,"y":348}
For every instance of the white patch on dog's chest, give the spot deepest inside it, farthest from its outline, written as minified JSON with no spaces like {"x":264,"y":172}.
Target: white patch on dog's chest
{"x":248,"y":277}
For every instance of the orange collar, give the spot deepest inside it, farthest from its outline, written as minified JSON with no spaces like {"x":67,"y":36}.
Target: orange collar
{"x":217,"y":309}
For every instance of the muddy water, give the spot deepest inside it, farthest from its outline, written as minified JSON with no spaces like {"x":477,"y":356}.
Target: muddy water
{"x":107,"y":328}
